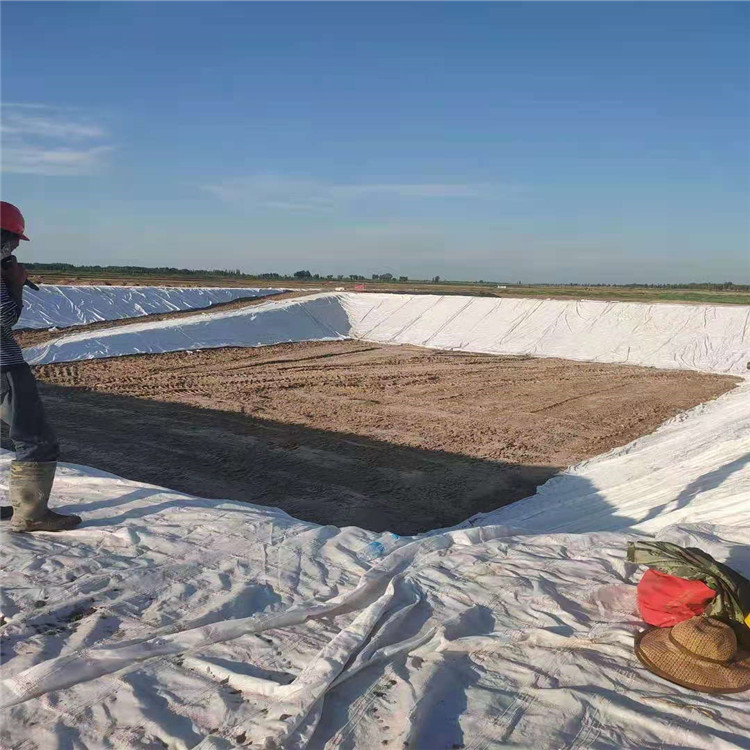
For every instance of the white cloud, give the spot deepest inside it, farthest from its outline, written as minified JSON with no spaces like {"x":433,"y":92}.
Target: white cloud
{"x":53,"y":162}
{"x":419,"y":190}
{"x":47,"y":140}
{"x":275,"y":192}
{"x":29,"y":105}
{"x":317,"y":196}
{"x":49,"y":127}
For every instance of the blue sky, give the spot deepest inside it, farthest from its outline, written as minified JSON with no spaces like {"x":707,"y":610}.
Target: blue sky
{"x":587,"y":142}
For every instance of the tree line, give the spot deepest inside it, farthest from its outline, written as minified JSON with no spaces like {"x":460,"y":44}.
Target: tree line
{"x":69,"y":268}
{"x":306,"y":275}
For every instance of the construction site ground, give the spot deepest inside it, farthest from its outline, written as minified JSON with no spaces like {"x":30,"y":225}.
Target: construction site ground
{"x":352,"y":433}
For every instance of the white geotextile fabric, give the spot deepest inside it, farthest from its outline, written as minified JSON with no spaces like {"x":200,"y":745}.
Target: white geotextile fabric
{"x":60,"y":306}
{"x":711,"y":338}
{"x":315,"y":318}
{"x":708,"y":338}
{"x":171,"y":621}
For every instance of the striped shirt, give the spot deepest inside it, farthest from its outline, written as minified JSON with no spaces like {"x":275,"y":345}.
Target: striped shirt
{"x":10,"y":312}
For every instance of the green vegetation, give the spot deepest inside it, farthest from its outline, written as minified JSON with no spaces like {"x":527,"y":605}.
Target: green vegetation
{"x":712,"y":293}
{"x":126,"y":271}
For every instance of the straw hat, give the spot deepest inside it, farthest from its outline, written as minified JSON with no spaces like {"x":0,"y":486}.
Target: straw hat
{"x":699,"y":653}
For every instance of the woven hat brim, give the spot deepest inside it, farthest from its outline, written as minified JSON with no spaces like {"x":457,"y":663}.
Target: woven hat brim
{"x":658,"y":654}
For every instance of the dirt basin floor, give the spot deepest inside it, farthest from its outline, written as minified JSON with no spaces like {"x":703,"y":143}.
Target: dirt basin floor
{"x":352,"y":433}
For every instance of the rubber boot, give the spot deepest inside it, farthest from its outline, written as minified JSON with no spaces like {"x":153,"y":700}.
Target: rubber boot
{"x":30,"y":487}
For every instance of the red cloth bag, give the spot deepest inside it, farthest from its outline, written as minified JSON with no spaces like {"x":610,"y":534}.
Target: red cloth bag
{"x":665,"y":600}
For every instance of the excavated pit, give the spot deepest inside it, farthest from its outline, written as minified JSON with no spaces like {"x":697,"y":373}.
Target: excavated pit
{"x":354,"y":433}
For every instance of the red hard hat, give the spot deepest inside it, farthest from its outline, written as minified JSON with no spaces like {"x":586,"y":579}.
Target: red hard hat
{"x":11,"y":219}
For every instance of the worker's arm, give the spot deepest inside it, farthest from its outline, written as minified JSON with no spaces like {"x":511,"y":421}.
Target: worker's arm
{"x":11,"y":299}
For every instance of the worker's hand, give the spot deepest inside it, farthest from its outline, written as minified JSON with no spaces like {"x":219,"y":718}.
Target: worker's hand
{"x":14,"y":274}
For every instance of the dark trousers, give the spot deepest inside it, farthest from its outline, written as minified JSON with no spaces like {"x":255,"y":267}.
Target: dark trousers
{"x":22,"y":410}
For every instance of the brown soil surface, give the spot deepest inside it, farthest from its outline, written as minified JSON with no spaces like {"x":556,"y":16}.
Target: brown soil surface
{"x":33,"y":337}
{"x":351,"y":433}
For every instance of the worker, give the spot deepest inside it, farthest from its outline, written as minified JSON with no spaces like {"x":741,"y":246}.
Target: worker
{"x":33,"y":470}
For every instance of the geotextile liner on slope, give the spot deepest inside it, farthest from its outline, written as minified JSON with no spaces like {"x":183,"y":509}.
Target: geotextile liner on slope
{"x":708,"y":338}
{"x":61,"y":306}
{"x":316,"y":318}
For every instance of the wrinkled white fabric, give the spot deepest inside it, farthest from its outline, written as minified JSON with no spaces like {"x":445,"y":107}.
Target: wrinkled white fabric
{"x":201,"y":623}
{"x":61,"y":305}
{"x":196,"y":622}
{"x":314,"y":318}
{"x":708,"y":338}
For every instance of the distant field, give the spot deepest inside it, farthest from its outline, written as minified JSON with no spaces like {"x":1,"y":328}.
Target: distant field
{"x":627,"y":294}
